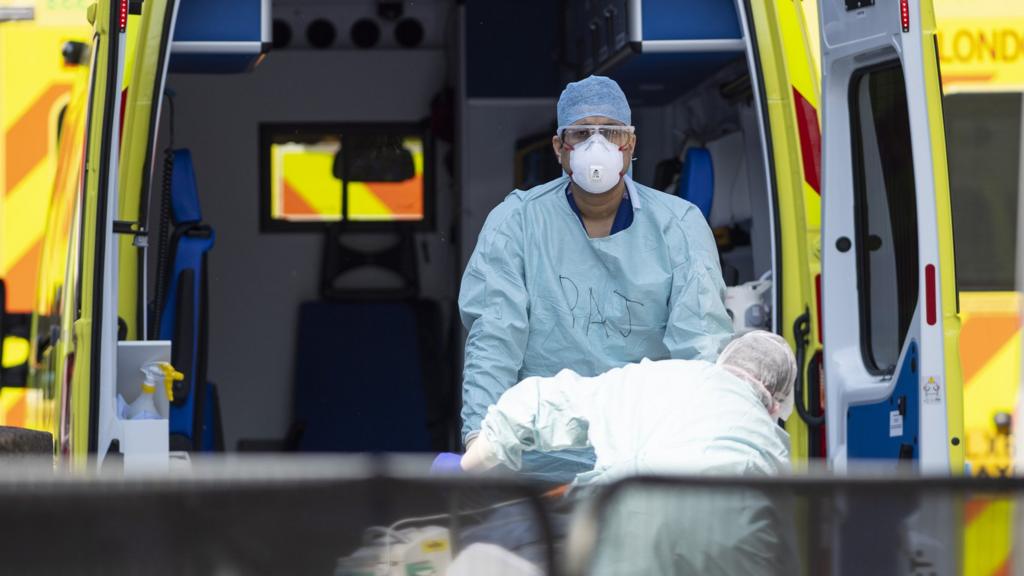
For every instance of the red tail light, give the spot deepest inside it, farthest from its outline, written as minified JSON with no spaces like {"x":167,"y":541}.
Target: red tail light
{"x":124,"y":108}
{"x":929,"y":291}
{"x":810,"y":140}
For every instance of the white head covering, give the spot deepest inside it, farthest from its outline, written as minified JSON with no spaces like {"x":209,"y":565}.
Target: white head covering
{"x":765,"y":361}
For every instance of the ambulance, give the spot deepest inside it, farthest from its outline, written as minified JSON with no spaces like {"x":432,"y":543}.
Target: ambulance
{"x":278,"y":203}
{"x":981,"y":57}
{"x":34,"y":95}
{"x":981,"y":51}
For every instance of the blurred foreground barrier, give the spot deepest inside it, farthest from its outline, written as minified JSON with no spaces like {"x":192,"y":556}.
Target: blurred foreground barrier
{"x":359,"y":516}
{"x":345,"y":516}
{"x":799,"y":525}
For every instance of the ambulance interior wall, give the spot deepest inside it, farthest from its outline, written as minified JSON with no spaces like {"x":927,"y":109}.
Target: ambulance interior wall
{"x":731,"y":133}
{"x":258,"y":280}
{"x":492,"y":128}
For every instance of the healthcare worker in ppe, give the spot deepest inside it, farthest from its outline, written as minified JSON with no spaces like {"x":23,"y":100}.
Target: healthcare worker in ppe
{"x":588,"y":272}
{"x":668,"y":417}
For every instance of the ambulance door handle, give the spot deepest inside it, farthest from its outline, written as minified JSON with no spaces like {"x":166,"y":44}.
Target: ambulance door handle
{"x":801,"y":333}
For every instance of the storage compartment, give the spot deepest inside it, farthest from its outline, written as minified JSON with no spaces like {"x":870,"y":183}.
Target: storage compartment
{"x":636,"y":41}
{"x":220,"y":36}
{"x":144,"y":443}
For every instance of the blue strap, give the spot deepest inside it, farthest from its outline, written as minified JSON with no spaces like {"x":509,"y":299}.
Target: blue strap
{"x":188,"y":254}
{"x":623,"y":216}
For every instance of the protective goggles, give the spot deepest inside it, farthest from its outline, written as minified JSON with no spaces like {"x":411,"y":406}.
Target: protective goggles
{"x":578,"y":134}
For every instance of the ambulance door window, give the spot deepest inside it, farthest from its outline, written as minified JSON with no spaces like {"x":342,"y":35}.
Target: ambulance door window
{"x":983,"y":138}
{"x":885,"y":211}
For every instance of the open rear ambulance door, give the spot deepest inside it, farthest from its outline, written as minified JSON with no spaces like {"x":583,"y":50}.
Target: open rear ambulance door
{"x":143,"y":102}
{"x":893,"y":384}
{"x":787,"y":99}
{"x":89,"y":364}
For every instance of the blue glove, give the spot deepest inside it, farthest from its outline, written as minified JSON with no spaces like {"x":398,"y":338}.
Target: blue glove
{"x":446,"y":463}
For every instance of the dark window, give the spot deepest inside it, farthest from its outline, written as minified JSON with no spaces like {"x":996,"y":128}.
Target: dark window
{"x":983,"y":133}
{"x":886,"y":213}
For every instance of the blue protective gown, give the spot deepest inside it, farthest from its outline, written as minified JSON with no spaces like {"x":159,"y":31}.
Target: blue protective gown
{"x":540,"y":295}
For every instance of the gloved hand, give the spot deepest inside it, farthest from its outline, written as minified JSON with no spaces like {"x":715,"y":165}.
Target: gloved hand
{"x":446,"y":463}
{"x":480,"y":455}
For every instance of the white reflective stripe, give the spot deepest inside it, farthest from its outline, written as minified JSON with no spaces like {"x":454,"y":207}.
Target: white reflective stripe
{"x":13,"y":13}
{"x":216,"y":47}
{"x":635,"y":21}
{"x":684,"y":46}
{"x":266,"y":28}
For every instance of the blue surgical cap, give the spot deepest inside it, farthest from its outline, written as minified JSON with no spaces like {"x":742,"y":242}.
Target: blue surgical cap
{"x":593,"y":96}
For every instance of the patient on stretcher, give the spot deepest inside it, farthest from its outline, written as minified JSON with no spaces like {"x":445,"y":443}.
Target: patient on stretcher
{"x":671,"y":417}
{"x":668,"y":416}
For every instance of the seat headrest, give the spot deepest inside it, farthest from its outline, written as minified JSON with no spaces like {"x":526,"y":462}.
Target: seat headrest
{"x":369,"y":265}
{"x":184,"y":196}
{"x":697,"y":182}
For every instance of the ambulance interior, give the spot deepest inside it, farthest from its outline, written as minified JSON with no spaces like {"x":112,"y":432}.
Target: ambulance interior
{"x":328,"y":316}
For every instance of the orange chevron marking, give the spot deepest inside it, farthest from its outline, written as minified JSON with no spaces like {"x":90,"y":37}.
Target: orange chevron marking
{"x":1006,"y":568}
{"x":18,"y":414}
{"x":964,"y":78}
{"x":23,"y":274}
{"x":981,"y":337}
{"x":294,"y":203}
{"x":27,"y":140}
{"x":974,"y":508}
{"x":400,"y":197}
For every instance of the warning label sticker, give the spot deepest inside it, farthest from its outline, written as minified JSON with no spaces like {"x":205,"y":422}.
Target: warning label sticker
{"x":932,"y":390}
{"x":895,"y":424}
